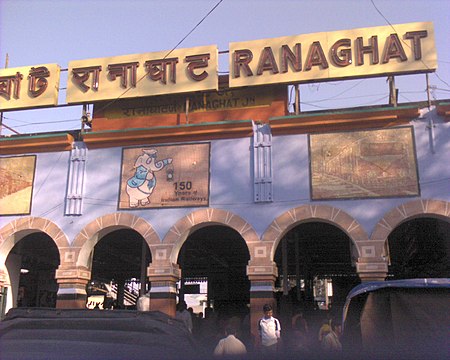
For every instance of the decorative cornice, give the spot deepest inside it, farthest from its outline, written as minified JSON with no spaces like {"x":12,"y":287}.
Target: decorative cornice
{"x":443,"y":109}
{"x":36,"y":143}
{"x":180,"y":133}
{"x":347,"y":119}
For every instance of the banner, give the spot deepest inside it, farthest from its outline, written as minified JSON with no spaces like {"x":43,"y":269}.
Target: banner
{"x":165,"y":176}
{"x":16,"y":184}
{"x":363,"y":164}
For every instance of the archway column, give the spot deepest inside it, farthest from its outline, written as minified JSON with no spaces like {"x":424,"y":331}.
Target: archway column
{"x":262,"y":285}
{"x":372,"y":265}
{"x":3,"y":291}
{"x":72,"y":287}
{"x":3,"y":278}
{"x":163,"y":290}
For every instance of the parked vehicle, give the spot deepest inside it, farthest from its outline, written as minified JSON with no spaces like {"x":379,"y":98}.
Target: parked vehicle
{"x":61,"y":334}
{"x":398,"y":319}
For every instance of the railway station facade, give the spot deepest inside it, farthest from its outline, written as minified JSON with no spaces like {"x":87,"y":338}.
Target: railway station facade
{"x":225,"y":186}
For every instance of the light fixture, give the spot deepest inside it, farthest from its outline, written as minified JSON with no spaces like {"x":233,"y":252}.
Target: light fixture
{"x":169,"y":173}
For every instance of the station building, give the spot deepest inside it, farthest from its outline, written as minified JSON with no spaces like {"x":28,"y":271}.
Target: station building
{"x":224,"y":196}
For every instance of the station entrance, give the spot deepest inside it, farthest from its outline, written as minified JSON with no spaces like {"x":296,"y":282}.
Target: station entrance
{"x":316,"y":270}
{"x":213,"y":263}
{"x":420,"y":248}
{"x":119,"y":266}
{"x":32,"y":264}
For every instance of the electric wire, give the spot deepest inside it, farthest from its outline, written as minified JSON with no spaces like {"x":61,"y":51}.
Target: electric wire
{"x":127,"y":90}
{"x":404,"y":97}
{"x":49,"y":173}
{"x":110,"y":103}
{"x":311,"y":103}
{"x":46,"y":122}
{"x":52,"y":209}
{"x":404,"y":42}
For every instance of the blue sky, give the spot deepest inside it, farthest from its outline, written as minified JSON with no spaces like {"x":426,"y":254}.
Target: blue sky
{"x":36,"y":32}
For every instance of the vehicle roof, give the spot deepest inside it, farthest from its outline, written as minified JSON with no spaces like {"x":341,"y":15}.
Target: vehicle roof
{"x":372,"y":286}
{"x":404,"y":283}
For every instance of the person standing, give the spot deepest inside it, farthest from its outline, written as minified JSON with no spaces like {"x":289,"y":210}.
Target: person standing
{"x":184,"y":315}
{"x":331,"y":344}
{"x":269,"y":331}
{"x":230,"y":345}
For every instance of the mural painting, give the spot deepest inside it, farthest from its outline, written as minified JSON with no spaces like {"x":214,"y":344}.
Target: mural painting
{"x":16,"y":184}
{"x":363,"y":164}
{"x":165,"y":176}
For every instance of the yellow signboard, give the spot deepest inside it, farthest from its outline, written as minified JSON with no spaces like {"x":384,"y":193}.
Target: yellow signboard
{"x":131,"y":76}
{"x":31,"y":86}
{"x":397,"y":49}
{"x":365,"y":52}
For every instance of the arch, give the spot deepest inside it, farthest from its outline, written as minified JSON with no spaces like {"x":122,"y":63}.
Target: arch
{"x":307,"y":213}
{"x":88,"y":237}
{"x":179,"y":232}
{"x":411,"y":210}
{"x":417,"y":208}
{"x":13,"y":232}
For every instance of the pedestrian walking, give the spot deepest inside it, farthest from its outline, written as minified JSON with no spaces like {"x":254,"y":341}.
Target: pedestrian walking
{"x":230,"y":345}
{"x":269,"y":331}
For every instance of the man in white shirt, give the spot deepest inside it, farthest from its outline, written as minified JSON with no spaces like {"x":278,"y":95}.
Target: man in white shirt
{"x":269,"y":331}
{"x":230,"y":345}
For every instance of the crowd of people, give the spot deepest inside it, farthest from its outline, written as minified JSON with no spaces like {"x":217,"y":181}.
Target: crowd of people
{"x":229,"y":335}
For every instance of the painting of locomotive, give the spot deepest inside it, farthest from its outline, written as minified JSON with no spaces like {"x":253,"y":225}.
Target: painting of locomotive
{"x":363,"y":164}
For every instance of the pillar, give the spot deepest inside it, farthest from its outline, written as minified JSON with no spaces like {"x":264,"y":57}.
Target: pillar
{"x":120,"y":293}
{"x":262,"y":279}
{"x":372,"y":265}
{"x":372,"y":269}
{"x":163,"y":290}
{"x":3,"y":292}
{"x":72,"y":287}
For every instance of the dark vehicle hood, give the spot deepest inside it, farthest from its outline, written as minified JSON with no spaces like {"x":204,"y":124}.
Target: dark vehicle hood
{"x":36,"y":333}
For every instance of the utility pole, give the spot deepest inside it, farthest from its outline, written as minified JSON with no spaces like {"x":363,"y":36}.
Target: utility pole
{"x":430,"y":125}
{"x":1,"y":113}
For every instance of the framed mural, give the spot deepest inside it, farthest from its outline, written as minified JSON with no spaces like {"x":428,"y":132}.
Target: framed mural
{"x":165,"y":176}
{"x":16,"y":184}
{"x":363,"y":164}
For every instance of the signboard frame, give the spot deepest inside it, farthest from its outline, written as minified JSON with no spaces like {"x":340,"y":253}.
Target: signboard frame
{"x":165,"y":176}
{"x":16,"y":191}
{"x":375,"y":163}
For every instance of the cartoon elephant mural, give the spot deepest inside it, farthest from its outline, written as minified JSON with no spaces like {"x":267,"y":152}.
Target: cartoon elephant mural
{"x":140,"y":187}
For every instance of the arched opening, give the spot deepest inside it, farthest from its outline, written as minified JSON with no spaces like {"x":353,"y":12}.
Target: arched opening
{"x":420,"y":248}
{"x":316,"y":272}
{"x":213,"y":264}
{"x":31,"y":265}
{"x":119,"y":270}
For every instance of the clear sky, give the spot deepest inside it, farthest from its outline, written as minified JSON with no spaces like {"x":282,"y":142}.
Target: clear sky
{"x":34,"y":32}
